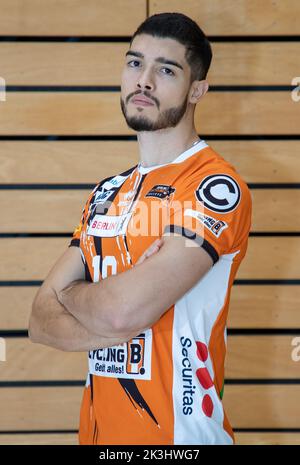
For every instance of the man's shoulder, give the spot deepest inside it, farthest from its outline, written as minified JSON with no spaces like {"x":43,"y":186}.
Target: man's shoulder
{"x":210,"y":164}
{"x":114,"y":180}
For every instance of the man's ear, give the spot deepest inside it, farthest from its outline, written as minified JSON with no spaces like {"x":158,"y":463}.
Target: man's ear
{"x":198,"y":90}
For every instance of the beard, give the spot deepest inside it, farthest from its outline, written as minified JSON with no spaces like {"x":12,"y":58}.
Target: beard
{"x":167,"y":119}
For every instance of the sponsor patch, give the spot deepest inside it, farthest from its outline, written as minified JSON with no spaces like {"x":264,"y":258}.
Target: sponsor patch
{"x":160,"y":191}
{"x":215,"y":226}
{"x":219,"y":193}
{"x":131,"y":360}
{"x":117,"y":181}
{"x":102,"y":196}
{"x":108,"y":225}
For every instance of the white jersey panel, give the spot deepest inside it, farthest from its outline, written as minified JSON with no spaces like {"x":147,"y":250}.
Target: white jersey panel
{"x":198,"y":410}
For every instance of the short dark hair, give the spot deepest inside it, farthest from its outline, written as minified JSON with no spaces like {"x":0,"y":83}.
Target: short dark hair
{"x":180,"y":27}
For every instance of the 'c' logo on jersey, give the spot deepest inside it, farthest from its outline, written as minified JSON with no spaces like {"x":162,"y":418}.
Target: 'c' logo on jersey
{"x":219,"y":193}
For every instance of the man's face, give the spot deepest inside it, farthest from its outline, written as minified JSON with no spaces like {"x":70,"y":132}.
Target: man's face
{"x":149,"y":73}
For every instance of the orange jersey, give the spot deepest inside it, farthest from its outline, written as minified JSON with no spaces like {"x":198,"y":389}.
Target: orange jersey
{"x":165,"y":386}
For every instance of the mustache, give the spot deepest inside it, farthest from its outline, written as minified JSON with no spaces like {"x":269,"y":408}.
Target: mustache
{"x":146,"y":94}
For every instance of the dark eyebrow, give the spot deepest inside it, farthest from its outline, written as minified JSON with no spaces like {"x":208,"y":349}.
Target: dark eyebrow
{"x":163,"y":60}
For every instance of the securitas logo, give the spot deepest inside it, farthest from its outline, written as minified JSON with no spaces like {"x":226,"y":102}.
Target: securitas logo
{"x":202,"y":374}
{"x":131,"y":360}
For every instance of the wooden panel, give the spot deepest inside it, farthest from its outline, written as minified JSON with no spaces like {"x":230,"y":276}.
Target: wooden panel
{"x":92,"y":17}
{"x":16,"y":305}
{"x":27,"y":361}
{"x":53,"y":211}
{"x":31,"y":258}
{"x":272,"y":210}
{"x":65,"y":161}
{"x":62,"y":161}
{"x":60,"y":63}
{"x":38,"y":408}
{"x":264,"y":307}
{"x":37,"y":211}
{"x":254,"y":63}
{"x":263,"y":406}
{"x":98,"y":113}
{"x":262,"y":357}
{"x":254,"y":406}
{"x":273,"y":306}
{"x":70,"y":63}
{"x":266,"y":439}
{"x":39,"y":439}
{"x":262,"y":161}
{"x":271,"y":258}
{"x":72,"y":439}
{"x":248,"y":357}
{"x":237,"y":17}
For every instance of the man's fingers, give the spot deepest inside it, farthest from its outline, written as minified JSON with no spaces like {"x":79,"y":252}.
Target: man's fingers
{"x":157,"y":244}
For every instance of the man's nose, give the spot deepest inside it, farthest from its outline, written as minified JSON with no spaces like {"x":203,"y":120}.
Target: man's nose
{"x":145,"y":81}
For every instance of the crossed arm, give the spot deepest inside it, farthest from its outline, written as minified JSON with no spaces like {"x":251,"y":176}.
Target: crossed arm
{"x":72,"y":314}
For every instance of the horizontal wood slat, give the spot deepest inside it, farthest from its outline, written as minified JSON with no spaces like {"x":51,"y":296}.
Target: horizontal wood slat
{"x":59,"y":210}
{"x":72,"y":439}
{"x":38,"y":408}
{"x":263,"y":357}
{"x":270,"y":306}
{"x":266,"y":438}
{"x":263,"y":406}
{"x":31,"y":258}
{"x":62,"y":161}
{"x":123,"y":17}
{"x":43,"y":439}
{"x":248,"y":357}
{"x":237,"y":17}
{"x":91,"y":64}
{"x":89,"y":18}
{"x":26,"y":361}
{"x":96,"y":113}
{"x":255,"y":406}
{"x":271,"y":258}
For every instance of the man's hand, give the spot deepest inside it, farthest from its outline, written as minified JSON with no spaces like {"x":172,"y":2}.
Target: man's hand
{"x":154,"y":248}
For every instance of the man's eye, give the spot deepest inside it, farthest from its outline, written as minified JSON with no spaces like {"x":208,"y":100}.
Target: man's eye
{"x":170,"y":71}
{"x":133,"y":61}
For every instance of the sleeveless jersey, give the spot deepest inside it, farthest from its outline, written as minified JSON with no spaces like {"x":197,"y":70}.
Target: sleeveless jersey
{"x":165,"y":386}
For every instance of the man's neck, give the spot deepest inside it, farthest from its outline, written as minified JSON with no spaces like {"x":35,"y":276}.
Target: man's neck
{"x":161,"y":147}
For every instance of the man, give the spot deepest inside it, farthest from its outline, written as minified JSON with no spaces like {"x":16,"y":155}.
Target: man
{"x":145,"y":284}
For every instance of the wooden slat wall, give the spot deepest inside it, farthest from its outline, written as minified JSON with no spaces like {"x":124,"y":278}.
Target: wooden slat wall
{"x":259,"y":161}
{"x":276,"y":307}
{"x":237,"y":17}
{"x":21,"y":207}
{"x":264,"y":315}
{"x":267,"y":257}
{"x":98,"y":113}
{"x":75,"y":18}
{"x":40,"y":408}
{"x":263,"y":357}
{"x":35,"y":63}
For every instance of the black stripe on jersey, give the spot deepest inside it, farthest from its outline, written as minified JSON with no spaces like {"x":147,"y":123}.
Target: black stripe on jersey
{"x":198,"y":239}
{"x":140,"y":185}
{"x":98,"y":240}
{"x":135,"y":197}
{"x":133,"y":393}
{"x":74,"y":242}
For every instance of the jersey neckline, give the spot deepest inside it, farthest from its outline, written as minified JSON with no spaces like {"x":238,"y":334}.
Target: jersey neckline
{"x":183,"y":156}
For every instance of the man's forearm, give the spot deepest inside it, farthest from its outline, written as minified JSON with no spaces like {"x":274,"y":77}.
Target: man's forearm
{"x":54,"y":326}
{"x":88,"y":303}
